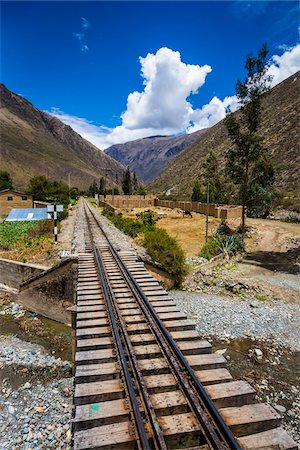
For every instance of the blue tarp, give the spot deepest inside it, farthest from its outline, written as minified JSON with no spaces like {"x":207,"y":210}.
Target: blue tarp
{"x":28,"y":214}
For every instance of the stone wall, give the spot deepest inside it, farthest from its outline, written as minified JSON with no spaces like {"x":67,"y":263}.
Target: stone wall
{"x":218,"y":211}
{"x":14,"y":273}
{"x":129,"y":201}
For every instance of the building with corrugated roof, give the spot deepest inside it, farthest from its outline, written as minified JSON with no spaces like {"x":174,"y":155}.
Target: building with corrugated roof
{"x":21,"y":214}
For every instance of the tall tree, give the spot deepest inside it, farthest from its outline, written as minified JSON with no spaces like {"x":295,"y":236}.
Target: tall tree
{"x":134,"y":183}
{"x":93,"y":189}
{"x":126,"y":182}
{"x":101,"y":186}
{"x":39,"y":187}
{"x":213,"y":178}
{"x":243,"y":128}
{"x":6,"y":181}
{"x":198,"y":194}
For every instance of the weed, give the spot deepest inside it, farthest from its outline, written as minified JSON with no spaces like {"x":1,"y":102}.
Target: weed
{"x":260,"y":297}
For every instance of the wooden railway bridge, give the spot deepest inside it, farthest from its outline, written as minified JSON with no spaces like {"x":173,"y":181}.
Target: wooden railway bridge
{"x":144,"y":379}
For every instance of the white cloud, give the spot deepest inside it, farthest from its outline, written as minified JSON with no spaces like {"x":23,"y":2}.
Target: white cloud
{"x":85,"y":24}
{"x":285,"y":65}
{"x":162,"y":107}
{"x":93,"y":133}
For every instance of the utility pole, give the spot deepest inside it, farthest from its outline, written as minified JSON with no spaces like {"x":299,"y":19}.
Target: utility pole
{"x":107,"y":169}
{"x":207,"y":211}
{"x":69,"y":179}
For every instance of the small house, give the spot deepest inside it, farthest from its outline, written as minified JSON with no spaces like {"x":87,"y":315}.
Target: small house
{"x":10,"y":199}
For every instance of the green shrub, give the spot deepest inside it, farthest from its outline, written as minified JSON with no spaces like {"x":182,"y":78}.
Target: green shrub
{"x":11,"y":233}
{"x":210,"y":249}
{"x":148,"y":218}
{"x":129,"y":226}
{"x":220,"y":243}
{"x":166,"y":250}
{"x":292,"y":218}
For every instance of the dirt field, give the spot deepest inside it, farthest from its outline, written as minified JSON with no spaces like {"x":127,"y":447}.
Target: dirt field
{"x":190,"y":232}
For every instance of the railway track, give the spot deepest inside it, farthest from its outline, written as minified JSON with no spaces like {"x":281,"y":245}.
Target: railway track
{"x":143,"y":377}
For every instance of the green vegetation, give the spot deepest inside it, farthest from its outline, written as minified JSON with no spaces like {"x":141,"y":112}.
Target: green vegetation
{"x":223,"y":242}
{"x":160,"y":245}
{"x":213,"y":179}
{"x":247,"y":163}
{"x":129,"y":226}
{"x":25,"y":233}
{"x":127,"y":182}
{"x":6,"y":181}
{"x":292,"y":218}
{"x":260,"y":297}
{"x":166,"y":250}
{"x":197,"y":194}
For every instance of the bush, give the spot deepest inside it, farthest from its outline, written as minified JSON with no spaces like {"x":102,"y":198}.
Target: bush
{"x":166,"y":250}
{"x":129,"y":226}
{"x":210,"y":249}
{"x":292,"y":218}
{"x":220,"y":243}
{"x":148,"y":218}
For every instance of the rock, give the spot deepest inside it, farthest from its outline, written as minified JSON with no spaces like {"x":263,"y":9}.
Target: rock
{"x":11,"y":409}
{"x":221,"y":351}
{"x":291,"y":413}
{"x":68,"y":437}
{"x":280,"y":408}
{"x":258,"y":353}
{"x":27,"y":385}
{"x":59,"y":432}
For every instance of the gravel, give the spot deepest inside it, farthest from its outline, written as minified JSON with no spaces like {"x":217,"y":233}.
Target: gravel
{"x":15,"y":351}
{"x":232,"y":318}
{"x":33,"y":415}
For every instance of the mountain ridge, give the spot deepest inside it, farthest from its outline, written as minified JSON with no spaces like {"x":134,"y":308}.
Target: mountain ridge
{"x":35,"y":143}
{"x":148,"y":156}
{"x":281,"y":133}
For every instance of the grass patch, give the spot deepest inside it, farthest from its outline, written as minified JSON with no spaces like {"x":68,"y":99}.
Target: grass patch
{"x":260,"y":297}
{"x":166,"y":250}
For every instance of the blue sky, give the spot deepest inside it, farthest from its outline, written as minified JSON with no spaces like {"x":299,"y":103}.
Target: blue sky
{"x":81,"y":60}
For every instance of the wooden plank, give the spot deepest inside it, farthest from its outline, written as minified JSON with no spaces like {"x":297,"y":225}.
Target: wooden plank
{"x":233,"y":393}
{"x":181,"y":430}
{"x":213,"y":376}
{"x":275,"y":439}
{"x":91,"y":314}
{"x":96,"y":372}
{"x":138,"y":339}
{"x":160,"y":383}
{"x":168,"y":403}
{"x":153,"y":366}
{"x":172,"y":316}
{"x":91,"y":323}
{"x":89,"y":308}
{"x":105,"y":342}
{"x":116,"y":436}
{"x":147,"y":351}
{"x":194,"y":347}
{"x":179,"y":325}
{"x":206,"y":361}
{"x":250,"y":419}
{"x":94,"y":356}
{"x":98,"y":391}
{"x":96,"y":414}
{"x":185,"y":335}
{"x":103,"y":331}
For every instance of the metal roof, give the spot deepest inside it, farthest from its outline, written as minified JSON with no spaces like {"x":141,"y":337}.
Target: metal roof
{"x":14,"y":192}
{"x":28,"y":214}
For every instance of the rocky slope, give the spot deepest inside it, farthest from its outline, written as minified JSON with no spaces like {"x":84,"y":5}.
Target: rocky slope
{"x":148,"y":156}
{"x":36,"y":143}
{"x":280,"y":130}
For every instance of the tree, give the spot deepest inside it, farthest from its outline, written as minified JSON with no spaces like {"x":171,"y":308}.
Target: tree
{"x":74,"y":193}
{"x":93,"y":189}
{"x":134,"y":183}
{"x":101,"y":186}
{"x":39,"y":187}
{"x":6,"y":181}
{"x":197,"y":195}
{"x":247,"y":149}
{"x":141,"y":190}
{"x":213,"y":178}
{"x":127,"y":183}
{"x":116,"y":191}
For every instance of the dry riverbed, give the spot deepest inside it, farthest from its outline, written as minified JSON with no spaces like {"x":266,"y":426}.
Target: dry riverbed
{"x":36,"y":383}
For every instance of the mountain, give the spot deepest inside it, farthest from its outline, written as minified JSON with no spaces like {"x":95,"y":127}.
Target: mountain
{"x":36,"y":143}
{"x":148,"y":156}
{"x":280,"y":131}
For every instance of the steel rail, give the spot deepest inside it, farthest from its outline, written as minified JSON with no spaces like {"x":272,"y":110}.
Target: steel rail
{"x":159,"y":440}
{"x":215,"y":437}
{"x":141,"y":435}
